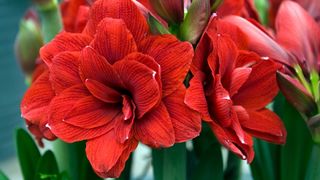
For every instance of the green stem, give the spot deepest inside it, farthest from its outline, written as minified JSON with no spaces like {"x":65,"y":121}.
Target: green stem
{"x":302,"y":78}
{"x":50,"y":17}
{"x":314,"y":78}
{"x":313,"y":171}
{"x":69,"y":157}
{"x":215,"y":5}
{"x":170,"y":163}
{"x":233,"y":170}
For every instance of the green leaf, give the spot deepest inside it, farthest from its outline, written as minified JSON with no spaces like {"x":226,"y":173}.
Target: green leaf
{"x":3,"y":176}
{"x":295,"y":154}
{"x":47,"y":167}
{"x":170,"y":163}
{"x":313,"y":171}
{"x":156,"y":27}
{"x":233,"y":170}
{"x":64,"y":176}
{"x":266,"y":163}
{"x":208,"y":152}
{"x":28,"y":154}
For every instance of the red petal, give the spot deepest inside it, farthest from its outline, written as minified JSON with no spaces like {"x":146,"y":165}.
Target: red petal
{"x":257,"y":40}
{"x":69,"y":12}
{"x":148,"y":61}
{"x":266,"y":125}
{"x":59,"y":108}
{"x":107,"y":156}
{"x":124,"y":122}
{"x":119,"y":9}
{"x":36,"y":100}
{"x":195,"y":97}
{"x":221,"y":104}
{"x":140,"y":81}
{"x":203,"y":49}
{"x":63,"y":42}
{"x":230,"y":7}
{"x":113,"y":40}
{"x":260,"y":88}
{"x":231,"y":142}
{"x":186,"y":122}
{"x":238,"y":78}
{"x":102,"y":92}
{"x":96,"y":67}
{"x":298,"y":32}
{"x":155,"y":128}
{"x":174,"y":58}
{"x":64,"y":71}
{"x":88,"y":113}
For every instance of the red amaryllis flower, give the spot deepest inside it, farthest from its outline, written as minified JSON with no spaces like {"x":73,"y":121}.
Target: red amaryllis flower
{"x":297,"y":45}
{"x":230,"y":89}
{"x":116,"y":85}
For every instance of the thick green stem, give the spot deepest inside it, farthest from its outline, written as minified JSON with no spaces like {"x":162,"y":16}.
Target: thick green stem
{"x":233,"y":170}
{"x":69,"y":157}
{"x":170,"y":163}
{"x":50,"y":17}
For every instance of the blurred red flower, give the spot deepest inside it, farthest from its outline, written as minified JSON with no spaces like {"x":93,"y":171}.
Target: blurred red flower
{"x":114,"y":85}
{"x":230,"y":88}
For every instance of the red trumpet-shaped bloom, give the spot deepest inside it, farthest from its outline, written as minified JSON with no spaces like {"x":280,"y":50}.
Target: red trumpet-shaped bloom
{"x":231,"y":88}
{"x":116,"y":85}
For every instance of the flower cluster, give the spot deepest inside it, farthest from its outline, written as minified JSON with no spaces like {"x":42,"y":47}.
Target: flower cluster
{"x":123,"y":72}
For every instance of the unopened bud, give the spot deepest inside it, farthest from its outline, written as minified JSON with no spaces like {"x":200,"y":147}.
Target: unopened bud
{"x":28,"y":42}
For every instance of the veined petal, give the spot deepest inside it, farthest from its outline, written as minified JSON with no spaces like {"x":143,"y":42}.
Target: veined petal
{"x":298,"y":32}
{"x":238,"y":78}
{"x":231,"y":142}
{"x":195,"y":97}
{"x":174,"y":58}
{"x":96,"y":67}
{"x":113,"y":40}
{"x":37,"y":98}
{"x":89,"y":112}
{"x":107,"y":156}
{"x":266,"y":125}
{"x":186,"y":122}
{"x":64,"y":71}
{"x":258,"y":41}
{"x":58,"y":109}
{"x":260,"y":88}
{"x":119,"y":9}
{"x":221,"y":104}
{"x":155,"y":128}
{"x":75,"y":42}
{"x":141,"y":83}
{"x":102,"y":92}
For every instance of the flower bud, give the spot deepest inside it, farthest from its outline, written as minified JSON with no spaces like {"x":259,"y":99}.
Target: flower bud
{"x":170,"y":10}
{"x":196,"y":20}
{"x":296,"y":94}
{"x":28,"y":42}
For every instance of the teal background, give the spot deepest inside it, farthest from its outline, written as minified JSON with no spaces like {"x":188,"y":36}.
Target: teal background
{"x":12,"y":84}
